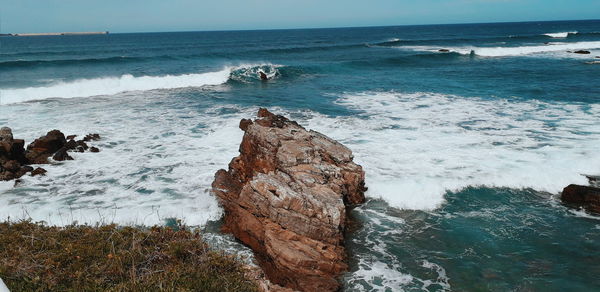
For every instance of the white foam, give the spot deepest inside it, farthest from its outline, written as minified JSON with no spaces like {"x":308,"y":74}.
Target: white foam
{"x":442,"y":279}
{"x":560,"y":34}
{"x":416,"y":147}
{"x":583,"y":214}
{"x":514,"y":51}
{"x":3,"y":287}
{"x":379,"y":276}
{"x":380,"y":270}
{"x":155,"y":162}
{"x":112,"y":85}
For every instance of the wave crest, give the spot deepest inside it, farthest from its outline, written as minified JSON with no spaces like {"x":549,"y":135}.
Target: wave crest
{"x":248,"y":74}
{"x":127,"y":82}
{"x":560,"y":35}
{"x":418,"y":146}
{"x":512,"y":51}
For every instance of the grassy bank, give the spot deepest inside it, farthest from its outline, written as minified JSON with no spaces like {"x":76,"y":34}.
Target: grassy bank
{"x":35,"y":257}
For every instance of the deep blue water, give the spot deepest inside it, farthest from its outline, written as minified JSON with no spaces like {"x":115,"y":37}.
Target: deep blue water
{"x":465,"y":151}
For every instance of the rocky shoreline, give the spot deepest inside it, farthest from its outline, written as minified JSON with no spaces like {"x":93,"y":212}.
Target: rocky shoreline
{"x":16,"y":160}
{"x":286,"y":196}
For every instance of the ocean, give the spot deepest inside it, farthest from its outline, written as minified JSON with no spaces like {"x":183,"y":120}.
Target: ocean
{"x":465,"y":150}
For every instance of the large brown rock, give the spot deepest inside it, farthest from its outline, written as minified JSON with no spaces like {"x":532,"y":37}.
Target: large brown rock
{"x":43,"y":147}
{"x":286,"y":195}
{"x":582,"y":196}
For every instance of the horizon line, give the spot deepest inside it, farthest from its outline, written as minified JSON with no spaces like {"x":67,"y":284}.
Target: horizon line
{"x":313,"y":28}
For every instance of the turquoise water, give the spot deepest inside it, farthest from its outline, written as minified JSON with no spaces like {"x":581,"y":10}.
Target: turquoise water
{"x":482,"y":239}
{"x":465,"y":151}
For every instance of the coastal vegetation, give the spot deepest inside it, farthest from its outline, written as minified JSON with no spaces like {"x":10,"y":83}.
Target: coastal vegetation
{"x":37,"y":257}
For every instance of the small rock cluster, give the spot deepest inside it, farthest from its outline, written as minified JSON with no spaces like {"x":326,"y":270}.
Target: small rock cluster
{"x":16,"y":160}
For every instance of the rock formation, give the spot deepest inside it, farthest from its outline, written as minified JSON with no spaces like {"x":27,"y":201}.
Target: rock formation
{"x":12,"y":156}
{"x":286,"y":195}
{"x":582,"y":52}
{"x":43,"y":147}
{"x":586,"y":197}
{"x":15,"y":160}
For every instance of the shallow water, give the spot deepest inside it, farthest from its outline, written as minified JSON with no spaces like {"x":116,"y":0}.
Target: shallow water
{"x":464,"y":152}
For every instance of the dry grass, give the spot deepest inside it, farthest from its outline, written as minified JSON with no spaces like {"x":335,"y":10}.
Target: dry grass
{"x":35,"y":257}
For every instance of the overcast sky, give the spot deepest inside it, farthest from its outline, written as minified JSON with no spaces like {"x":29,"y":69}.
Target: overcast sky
{"x":18,"y":16}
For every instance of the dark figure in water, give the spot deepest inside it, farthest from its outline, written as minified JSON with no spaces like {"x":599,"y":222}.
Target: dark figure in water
{"x":263,"y":76}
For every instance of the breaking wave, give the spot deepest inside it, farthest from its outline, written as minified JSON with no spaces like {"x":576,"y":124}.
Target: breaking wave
{"x":511,"y":51}
{"x":560,"y":34}
{"x":126,"y":83}
{"x":415,"y":147}
{"x":248,"y":74}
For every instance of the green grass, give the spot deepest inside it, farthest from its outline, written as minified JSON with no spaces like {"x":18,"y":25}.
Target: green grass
{"x":36,"y":257}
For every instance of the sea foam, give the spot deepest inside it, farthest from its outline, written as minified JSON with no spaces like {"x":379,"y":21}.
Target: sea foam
{"x":111,"y":86}
{"x":158,"y":161}
{"x":513,"y":51}
{"x":560,"y":34}
{"x":126,"y":83}
{"x":415,"y":147}
{"x":155,"y":162}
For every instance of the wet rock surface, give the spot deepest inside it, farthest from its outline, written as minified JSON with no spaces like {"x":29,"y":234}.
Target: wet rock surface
{"x":594,"y":180}
{"x":38,"y":171}
{"x":586,"y":197}
{"x":15,"y":160}
{"x":43,"y":147}
{"x":286,"y":196}
{"x":582,"y":52}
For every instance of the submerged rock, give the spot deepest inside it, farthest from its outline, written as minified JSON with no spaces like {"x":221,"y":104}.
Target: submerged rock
{"x":91,"y":137}
{"x":586,"y":197}
{"x":62,"y":155}
{"x":82,"y":146}
{"x":583,"y":52}
{"x":38,"y":171}
{"x":285,"y":196}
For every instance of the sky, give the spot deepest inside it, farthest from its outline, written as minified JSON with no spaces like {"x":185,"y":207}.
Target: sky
{"x":21,"y":16}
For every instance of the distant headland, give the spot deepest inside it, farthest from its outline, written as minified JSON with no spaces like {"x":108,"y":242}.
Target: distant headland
{"x":56,"y":33}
